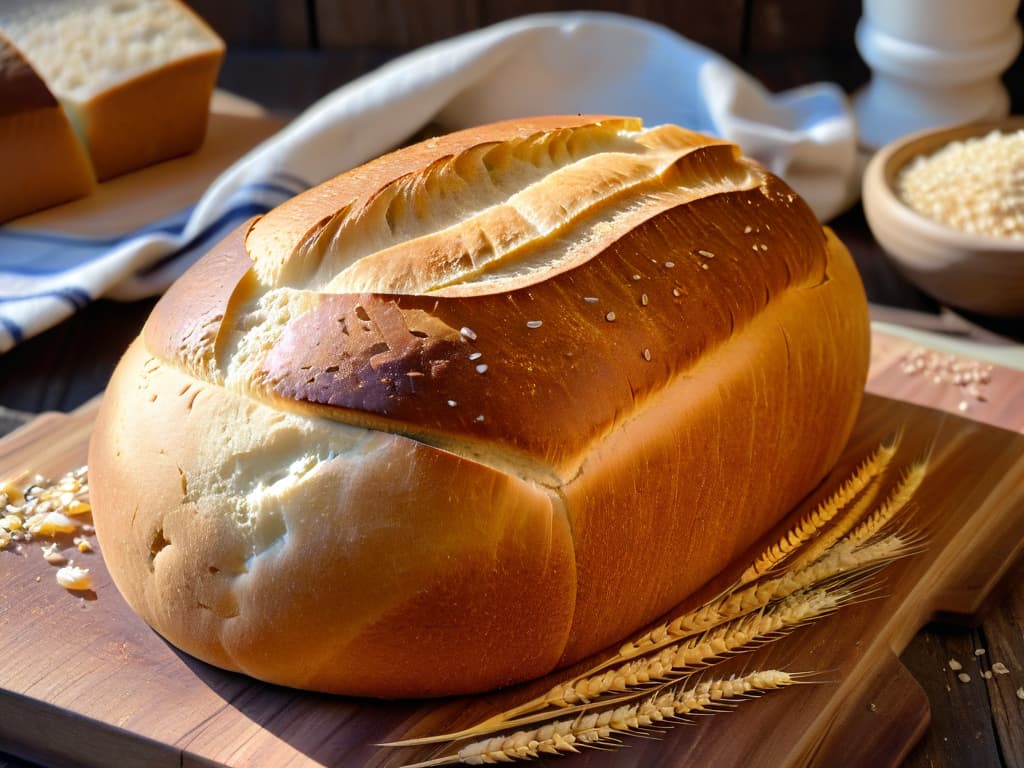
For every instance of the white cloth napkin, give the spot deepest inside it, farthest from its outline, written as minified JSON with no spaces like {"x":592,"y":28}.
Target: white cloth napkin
{"x":543,"y":64}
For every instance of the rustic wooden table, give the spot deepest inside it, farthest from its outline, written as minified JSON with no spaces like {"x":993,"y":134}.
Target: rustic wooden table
{"x":67,"y":365}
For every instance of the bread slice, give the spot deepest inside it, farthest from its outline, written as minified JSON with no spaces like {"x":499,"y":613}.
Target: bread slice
{"x":43,"y":163}
{"x":134,"y":76}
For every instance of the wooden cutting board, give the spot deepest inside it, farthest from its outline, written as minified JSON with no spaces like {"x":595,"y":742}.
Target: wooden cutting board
{"x":84,"y":682}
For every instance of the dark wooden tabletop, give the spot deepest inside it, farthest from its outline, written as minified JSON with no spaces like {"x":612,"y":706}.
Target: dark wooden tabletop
{"x":296,"y":52}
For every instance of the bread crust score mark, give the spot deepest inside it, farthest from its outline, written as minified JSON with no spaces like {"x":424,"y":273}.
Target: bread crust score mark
{"x":477,"y":409}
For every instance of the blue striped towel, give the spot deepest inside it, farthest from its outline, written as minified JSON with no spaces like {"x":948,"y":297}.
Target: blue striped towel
{"x":542,"y":64}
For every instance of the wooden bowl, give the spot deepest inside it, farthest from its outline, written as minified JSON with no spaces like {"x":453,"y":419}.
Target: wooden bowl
{"x":980,"y":273}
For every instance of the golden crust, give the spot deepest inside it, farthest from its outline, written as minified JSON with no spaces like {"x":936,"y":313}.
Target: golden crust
{"x":392,"y":480}
{"x":275,"y":240}
{"x":156,"y":116}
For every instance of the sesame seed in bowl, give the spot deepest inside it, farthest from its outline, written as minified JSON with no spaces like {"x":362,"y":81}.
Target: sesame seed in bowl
{"x":947,"y":206}
{"x":975,"y":185}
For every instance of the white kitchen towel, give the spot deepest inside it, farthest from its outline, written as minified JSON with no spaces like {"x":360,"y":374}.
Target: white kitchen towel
{"x":551,"y":63}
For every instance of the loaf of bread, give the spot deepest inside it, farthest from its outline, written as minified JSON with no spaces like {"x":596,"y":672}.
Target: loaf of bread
{"x":477,"y":409}
{"x":134,"y":76}
{"x":43,"y":163}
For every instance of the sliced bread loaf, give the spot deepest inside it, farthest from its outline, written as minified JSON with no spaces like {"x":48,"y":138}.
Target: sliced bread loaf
{"x":134,"y":76}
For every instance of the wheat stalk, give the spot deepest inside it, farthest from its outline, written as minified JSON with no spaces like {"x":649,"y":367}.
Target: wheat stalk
{"x":873,"y":466}
{"x":602,"y":728}
{"x":670,"y":663}
{"x":893,"y":505}
{"x":699,"y":651}
{"x":753,"y":597}
{"x":758,"y":593}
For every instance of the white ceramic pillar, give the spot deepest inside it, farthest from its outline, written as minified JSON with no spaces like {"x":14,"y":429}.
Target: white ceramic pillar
{"x":933,"y":62}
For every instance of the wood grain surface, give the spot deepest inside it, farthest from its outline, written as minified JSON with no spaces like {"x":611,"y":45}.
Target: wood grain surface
{"x":83,"y":679}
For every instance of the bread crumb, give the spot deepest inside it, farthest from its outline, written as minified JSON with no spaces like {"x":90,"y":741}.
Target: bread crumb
{"x":1000,"y":669}
{"x":52,"y":555}
{"x":50,"y":524}
{"x":1020,"y":693}
{"x":955,"y":665}
{"x":963,"y":677}
{"x":74,"y":578}
{"x":979,"y":651}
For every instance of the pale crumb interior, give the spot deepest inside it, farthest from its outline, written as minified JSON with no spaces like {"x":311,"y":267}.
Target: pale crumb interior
{"x":257,"y":328}
{"x":259,"y":472}
{"x":84,"y":47}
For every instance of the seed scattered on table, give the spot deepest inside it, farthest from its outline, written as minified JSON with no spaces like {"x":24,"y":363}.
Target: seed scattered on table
{"x":44,"y":509}
{"x":50,"y":510}
{"x":969,"y":376}
{"x":52,"y":555}
{"x":963,"y":677}
{"x":955,"y":665}
{"x":74,"y":577}
{"x":1000,"y":669}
